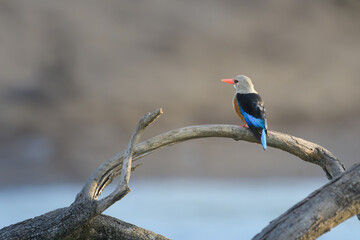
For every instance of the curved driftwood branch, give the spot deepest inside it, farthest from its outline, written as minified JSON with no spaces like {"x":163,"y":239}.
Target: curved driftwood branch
{"x":123,"y":187}
{"x":301,"y":148}
{"x":84,"y":214}
{"x":322,"y":210}
{"x":90,"y":192}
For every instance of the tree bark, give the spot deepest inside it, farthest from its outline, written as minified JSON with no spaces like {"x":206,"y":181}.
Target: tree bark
{"x":80,"y":217}
{"x":73,"y":223}
{"x":104,"y":227}
{"x":322,"y":210}
{"x":83,"y":218}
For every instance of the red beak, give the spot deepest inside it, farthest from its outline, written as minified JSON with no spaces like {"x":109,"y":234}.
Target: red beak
{"x":228,"y":81}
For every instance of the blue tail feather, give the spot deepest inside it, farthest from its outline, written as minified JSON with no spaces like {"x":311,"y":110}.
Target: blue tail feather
{"x":263,"y":139}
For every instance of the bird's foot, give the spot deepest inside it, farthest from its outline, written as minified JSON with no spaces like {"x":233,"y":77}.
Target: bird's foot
{"x":244,"y":125}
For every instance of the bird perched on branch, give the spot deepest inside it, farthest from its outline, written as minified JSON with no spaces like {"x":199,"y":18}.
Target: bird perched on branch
{"x":249,"y":107}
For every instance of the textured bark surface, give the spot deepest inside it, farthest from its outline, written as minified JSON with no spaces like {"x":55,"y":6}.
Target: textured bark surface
{"x":320,"y":211}
{"x":83,"y":219}
{"x":301,"y":148}
{"x":79,"y":221}
{"x":53,"y":225}
{"x":106,"y":227}
{"x":73,"y":223}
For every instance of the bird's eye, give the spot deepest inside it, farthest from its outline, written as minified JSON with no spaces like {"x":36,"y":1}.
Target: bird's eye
{"x":236,"y":81}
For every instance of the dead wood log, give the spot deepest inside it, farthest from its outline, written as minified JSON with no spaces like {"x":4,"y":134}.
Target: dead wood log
{"x":322,"y":210}
{"x":84,"y":215}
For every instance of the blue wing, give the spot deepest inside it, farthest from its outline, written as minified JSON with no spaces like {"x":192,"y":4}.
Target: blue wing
{"x":252,"y":108}
{"x":256,"y":123}
{"x":250,"y":120}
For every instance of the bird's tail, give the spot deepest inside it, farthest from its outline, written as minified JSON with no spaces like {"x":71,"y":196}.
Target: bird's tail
{"x":263,"y":139}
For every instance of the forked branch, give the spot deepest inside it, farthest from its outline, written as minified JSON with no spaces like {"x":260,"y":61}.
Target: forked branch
{"x":83,"y":215}
{"x":89,"y":192}
{"x":301,"y":148}
{"x":123,"y":187}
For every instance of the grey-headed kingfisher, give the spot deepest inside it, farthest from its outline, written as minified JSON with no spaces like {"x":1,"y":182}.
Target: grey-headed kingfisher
{"x":249,"y":107}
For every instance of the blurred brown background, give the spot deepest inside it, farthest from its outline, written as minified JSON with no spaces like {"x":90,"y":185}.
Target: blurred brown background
{"x":77,"y":75}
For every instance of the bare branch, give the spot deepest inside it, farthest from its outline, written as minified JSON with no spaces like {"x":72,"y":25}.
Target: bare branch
{"x":123,"y":187}
{"x":322,"y":210}
{"x":301,"y":148}
{"x":93,"y":187}
{"x":64,"y":222}
{"x":103,"y":176}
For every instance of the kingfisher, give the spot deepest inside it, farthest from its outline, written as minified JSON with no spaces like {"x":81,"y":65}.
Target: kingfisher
{"x":249,"y":107}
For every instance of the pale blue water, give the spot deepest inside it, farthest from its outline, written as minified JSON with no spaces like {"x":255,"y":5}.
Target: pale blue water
{"x":184,"y":209}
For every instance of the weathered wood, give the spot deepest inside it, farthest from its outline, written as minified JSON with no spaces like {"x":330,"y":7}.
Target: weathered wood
{"x":90,"y":190}
{"x":73,"y":223}
{"x":301,"y":148}
{"x":67,"y":221}
{"x":82,"y":216}
{"x":123,"y":187}
{"x":52,"y":225}
{"x":103,"y":227}
{"x":322,"y":210}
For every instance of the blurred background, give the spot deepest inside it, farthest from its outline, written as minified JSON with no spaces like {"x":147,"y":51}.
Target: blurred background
{"x":77,"y":75}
